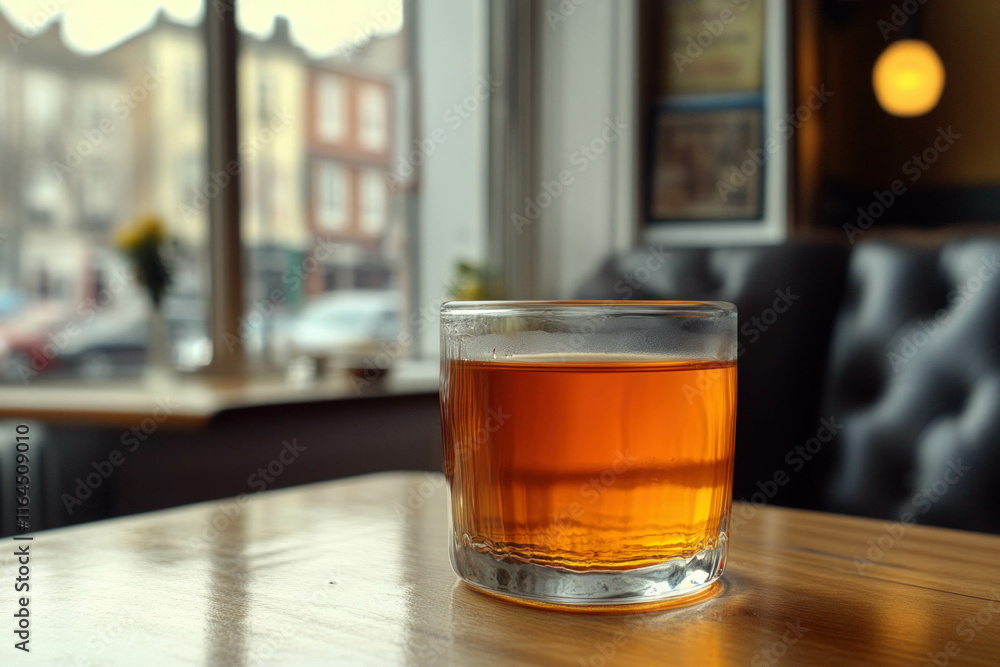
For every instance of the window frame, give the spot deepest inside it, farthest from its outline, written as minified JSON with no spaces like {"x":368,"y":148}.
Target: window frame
{"x":217,"y":101}
{"x":226,"y":262}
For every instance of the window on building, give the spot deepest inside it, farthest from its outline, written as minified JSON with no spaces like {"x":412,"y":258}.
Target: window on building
{"x":374,"y":121}
{"x":190,"y":178}
{"x":191,"y":83}
{"x":269,"y":187}
{"x":43,"y":193}
{"x":373,"y":202}
{"x":267,"y":94}
{"x":99,"y":194}
{"x":331,"y":196}
{"x":332,"y":108}
{"x":91,"y":104}
{"x":5,"y":129}
{"x":43,"y":92}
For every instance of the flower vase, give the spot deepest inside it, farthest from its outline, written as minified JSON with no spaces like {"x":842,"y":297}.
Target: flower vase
{"x":159,"y":369}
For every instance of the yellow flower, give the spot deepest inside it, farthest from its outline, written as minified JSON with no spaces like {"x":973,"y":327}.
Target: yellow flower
{"x":126,"y":238}
{"x":152,"y":228}
{"x":147,"y":229}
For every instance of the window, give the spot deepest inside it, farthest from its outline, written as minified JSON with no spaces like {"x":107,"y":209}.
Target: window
{"x":100,"y":97}
{"x":44,"y":195}
{"x":92,"y":102}
{"x":5,"y":129}
{"x":43,"y":100}
{"x":267,"y":193}
{"x":99,"y":194}
{"x":332,"y":108}
{"x":373,"y":202}
{"x":190,"y":176}
{"x":331,"y":192}
{"x":356,"y":166}
{"x":373,"y":118}
{"x":191,"y":87}
{"x":107,"y":121}
{"x":266,"y":97}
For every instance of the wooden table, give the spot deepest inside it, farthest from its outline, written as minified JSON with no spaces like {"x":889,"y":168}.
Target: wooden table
{"x":356,"y":572}
{"x":191,"y":401}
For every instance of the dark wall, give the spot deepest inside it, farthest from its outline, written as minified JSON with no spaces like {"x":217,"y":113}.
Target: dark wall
{"x":862,"y":149}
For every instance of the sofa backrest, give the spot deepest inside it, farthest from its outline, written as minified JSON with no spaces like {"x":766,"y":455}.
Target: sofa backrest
{"x":914,"y":377}
{"x":869,"y":377}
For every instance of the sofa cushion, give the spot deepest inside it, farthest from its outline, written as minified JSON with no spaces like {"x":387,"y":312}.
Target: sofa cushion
{"x":914,"y":377}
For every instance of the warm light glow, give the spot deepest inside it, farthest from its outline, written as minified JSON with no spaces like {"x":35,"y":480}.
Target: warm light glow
{"x":908,"y":78}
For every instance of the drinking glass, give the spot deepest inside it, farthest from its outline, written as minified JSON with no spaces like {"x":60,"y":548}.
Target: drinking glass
{"x":589,"y":447}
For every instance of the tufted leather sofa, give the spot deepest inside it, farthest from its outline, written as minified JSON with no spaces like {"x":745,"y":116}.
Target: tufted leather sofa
{"x":869,"y":376}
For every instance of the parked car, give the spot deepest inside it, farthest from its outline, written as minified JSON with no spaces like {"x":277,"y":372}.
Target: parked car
{"x":343,"y":322}
{"x":118,"y":344}
{"x":32,"y":335}
{"x":109,"y":345}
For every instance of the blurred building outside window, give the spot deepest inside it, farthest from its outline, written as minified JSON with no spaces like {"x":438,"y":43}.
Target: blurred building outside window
{"x":103,"y":118}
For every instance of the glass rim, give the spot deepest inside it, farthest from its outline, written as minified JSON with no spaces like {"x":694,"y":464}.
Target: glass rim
{"x":569,"y":307}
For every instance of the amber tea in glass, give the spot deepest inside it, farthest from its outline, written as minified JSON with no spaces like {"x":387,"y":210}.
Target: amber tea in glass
{"x":589,"y":447}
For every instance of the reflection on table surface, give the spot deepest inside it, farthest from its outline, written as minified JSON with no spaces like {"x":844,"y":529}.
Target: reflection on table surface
{"x":356,"y":571}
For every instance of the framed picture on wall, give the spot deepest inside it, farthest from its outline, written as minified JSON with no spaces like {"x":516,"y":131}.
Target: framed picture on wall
{"x":710,"y":46}
{"x":699,"y":167}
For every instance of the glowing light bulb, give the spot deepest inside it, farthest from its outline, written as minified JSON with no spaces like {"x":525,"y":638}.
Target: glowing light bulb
{"x":908,"y":78}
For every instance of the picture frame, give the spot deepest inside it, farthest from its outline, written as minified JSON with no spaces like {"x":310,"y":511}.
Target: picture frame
{"x":711,"y":46}
{"x":706,"y":164}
